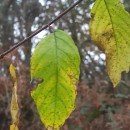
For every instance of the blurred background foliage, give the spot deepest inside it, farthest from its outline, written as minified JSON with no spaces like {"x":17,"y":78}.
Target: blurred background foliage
{"x":98,"y":106}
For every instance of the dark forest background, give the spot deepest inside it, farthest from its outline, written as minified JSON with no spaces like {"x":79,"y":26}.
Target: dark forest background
{"x":99,"y":106}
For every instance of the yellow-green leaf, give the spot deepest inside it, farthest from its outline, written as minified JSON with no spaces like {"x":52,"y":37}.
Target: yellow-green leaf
{"x":12,"y":72}
{"x":110,"y":29}
{"x":55,"y":60}
{"x":13,"y":127}
{"x":14,"y":103}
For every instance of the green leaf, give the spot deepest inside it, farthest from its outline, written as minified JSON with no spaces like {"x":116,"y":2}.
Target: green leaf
{"x":110,"y":29}
{"x":55,"y":60}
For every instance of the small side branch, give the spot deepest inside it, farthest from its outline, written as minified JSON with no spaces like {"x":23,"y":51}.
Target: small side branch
{"x":39,"y":30}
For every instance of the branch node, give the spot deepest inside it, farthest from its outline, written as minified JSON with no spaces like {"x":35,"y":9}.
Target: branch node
{"x":51,"y":29}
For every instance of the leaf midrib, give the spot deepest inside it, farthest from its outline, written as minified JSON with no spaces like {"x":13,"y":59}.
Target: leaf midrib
{"x":112,"y":27}
{"x":56,"y":65}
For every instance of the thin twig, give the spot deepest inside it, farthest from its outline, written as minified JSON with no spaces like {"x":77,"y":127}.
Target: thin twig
{"x":39,"y":30}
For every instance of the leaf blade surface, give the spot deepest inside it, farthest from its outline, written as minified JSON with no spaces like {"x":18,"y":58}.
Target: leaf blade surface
{"x":110,"y":29}
{"x":55,"y":60}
